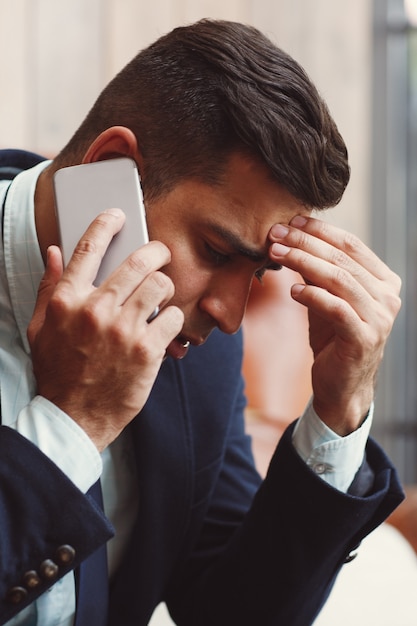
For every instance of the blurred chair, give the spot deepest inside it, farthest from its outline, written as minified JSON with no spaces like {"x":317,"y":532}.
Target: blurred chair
{"x":277,"y":361}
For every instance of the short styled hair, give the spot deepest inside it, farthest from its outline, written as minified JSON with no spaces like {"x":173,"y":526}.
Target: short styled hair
{"x":215,"y":87}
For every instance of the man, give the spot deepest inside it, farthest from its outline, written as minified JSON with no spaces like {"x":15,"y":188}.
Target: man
{"x":235,"y":149}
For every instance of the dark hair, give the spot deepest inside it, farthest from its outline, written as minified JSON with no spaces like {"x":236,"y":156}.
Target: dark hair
{"x":207,"y":90}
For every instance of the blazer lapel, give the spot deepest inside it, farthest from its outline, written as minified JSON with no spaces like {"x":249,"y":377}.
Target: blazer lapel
{"x":164,"y":456}
{"x":165,"y":469}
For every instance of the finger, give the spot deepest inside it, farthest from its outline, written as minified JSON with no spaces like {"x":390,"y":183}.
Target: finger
{"x":51,"y":277}
{"x":155,"y":291}
{"x":341,"y":318}
{"x":338,"y":319}
{"x":323,"y":275}
{"x":347,"y":243}
{"x":333,"y":287}
{"x":322,"y":264}
{"x":88,"y":254}
{"x":335,"y":244}
{"x":124,"y":282}
{"x":166,"y":326}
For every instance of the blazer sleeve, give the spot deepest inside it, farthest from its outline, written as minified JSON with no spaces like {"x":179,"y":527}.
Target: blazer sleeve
{"x":41,"y":514}
{"x":269,"y":555}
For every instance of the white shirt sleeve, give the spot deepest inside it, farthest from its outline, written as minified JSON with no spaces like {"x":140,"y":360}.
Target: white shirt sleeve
{"x":62,"y":440}
{"x":334,"y":458}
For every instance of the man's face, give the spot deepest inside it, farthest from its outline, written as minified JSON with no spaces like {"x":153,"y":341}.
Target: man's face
{"x":218,"y":237}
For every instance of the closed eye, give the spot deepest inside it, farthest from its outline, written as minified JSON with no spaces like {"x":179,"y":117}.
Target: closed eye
{"x":220,"y":258}
{"x":217,"y":257}
{"x":274,"y":267}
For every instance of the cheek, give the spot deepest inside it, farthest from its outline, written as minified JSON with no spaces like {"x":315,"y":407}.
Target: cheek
{"x":188,"y":280}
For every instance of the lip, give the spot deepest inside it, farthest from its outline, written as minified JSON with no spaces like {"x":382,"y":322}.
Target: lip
{"x":178,"y":347}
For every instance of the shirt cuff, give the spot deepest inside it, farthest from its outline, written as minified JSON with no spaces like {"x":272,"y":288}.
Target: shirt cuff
{"x":334,"y":458}
{"x":62,"y":440}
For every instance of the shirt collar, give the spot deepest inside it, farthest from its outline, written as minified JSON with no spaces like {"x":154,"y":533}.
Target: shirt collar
{"x":23,"y":259}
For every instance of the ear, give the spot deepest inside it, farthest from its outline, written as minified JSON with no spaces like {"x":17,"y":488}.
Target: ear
{"x":116,"y":141}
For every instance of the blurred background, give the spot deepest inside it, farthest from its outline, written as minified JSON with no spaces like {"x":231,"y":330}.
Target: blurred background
{"x":56,"y":55}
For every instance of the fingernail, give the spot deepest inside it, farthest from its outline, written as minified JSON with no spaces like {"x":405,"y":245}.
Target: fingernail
{"x":297,"y":289}
{"x":115,"y":212}
{"x":298,"y":221}
{"x":278,"y":249}
{"x":279,"y":231}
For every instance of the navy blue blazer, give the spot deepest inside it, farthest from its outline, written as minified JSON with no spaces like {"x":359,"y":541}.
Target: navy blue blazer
{"x":218,"y":544}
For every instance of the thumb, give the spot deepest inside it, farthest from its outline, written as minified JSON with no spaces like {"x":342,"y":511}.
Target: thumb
{"x":53,"y":272}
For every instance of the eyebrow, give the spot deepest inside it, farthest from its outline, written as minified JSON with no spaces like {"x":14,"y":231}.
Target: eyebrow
{"x":255,"y":255}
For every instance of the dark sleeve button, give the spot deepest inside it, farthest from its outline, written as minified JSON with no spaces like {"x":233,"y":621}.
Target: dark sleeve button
{"x":65,"y":554}
{"x":351,"y":557}
{"x":31,"y":579}
{"x":48,"y":569}
{"x":16,"y":595}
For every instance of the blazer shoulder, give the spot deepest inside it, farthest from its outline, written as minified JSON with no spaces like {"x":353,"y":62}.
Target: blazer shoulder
{"x":12,"y":162}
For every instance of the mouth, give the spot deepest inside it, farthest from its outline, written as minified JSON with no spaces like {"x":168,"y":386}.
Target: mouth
{"x":178,"y":347}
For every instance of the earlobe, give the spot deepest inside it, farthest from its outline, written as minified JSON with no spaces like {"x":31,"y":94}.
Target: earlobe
{"x":116,"y":141}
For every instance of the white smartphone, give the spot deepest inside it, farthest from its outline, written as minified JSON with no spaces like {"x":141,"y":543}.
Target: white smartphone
{"x":84,"y":191}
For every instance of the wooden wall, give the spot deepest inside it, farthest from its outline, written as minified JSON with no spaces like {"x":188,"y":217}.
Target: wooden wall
{"x":56,"y":55}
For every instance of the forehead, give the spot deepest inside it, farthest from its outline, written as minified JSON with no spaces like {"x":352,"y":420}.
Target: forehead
{"x":241,"y":208}
{"x":248,"y":202}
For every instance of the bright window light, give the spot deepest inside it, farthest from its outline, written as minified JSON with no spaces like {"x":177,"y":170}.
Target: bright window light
{"x":411,"y":11}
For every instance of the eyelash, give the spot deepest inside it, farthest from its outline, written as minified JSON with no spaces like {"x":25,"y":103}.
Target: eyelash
{"x":259,"y":274}
{"x":217,"y":257}
{"x":220,"y":259}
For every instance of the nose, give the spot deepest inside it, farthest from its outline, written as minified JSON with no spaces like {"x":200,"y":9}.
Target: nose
{"x":225,"y":302}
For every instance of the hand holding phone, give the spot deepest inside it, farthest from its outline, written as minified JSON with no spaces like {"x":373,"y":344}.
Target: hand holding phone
{"x":93,"y":353}
{"x":84,"y":191}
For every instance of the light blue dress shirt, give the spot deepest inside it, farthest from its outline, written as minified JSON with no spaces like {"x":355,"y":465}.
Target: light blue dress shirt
{"x":58,"y":436}
{"x":334,"y":458}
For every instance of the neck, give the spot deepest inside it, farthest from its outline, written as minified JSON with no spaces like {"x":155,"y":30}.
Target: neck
{"x":45,"y":220}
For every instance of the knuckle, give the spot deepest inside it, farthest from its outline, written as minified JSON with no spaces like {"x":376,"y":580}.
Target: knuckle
{"x":139,"y":263}
{"x":391,"y":309}
{"x":386,"y":324}
{"x":90,"y":314}
{"x":302,"y":239}
{"x":163,"y":282}
{"x":176,"y":317}
{"x":58,"y":304}
{"x":144,"y":351}
{"x":339,"y":259}
{"x":340,"y":276}
{"x":86,"y":246}
{"x":116,"y":334}
{"x":179,"y":314}
{"x":351,"y":244}
{"x":340,"y":311}
{"x":395,"y":303}
{"x":85,"y":317}
{"x":396,"y":283}
{"x":304,"y":260}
